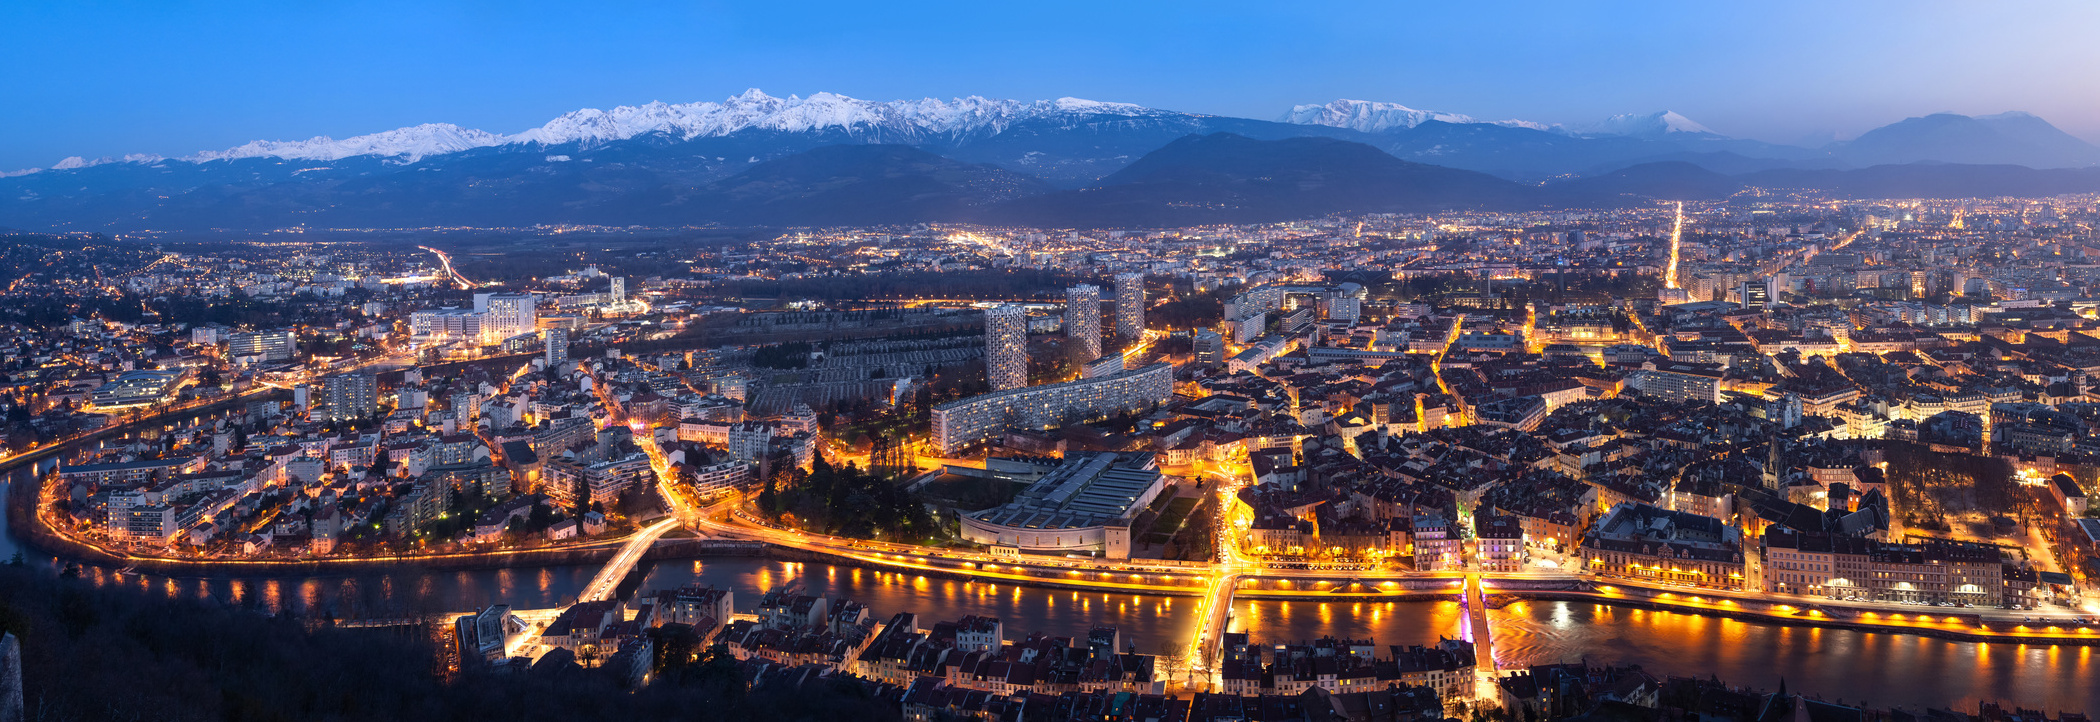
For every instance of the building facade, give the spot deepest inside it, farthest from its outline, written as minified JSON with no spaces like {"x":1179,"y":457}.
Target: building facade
{"x":348,"y":396}
{"x":961,"y":423}
{"x":1130,"y":306}
{"x":557,"y":346}
{"x":1083,"y":317}
{"x":1006,"y":347}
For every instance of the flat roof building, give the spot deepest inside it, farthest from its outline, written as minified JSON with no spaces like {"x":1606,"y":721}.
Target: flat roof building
{"x":1085,"y":504}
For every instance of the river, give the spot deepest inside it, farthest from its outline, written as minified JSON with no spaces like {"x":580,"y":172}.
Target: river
{"x":1885,"y":669}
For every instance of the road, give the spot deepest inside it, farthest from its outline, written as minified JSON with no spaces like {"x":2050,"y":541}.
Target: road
{"x":445,"y":259}
{"x":608,"y":578}
{"x":1473,"y":599}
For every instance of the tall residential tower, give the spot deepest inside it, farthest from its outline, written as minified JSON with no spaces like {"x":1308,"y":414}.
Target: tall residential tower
{"x":1130,"y":306}
{"x":1083,"y":317}
{"x":1006,"y":347}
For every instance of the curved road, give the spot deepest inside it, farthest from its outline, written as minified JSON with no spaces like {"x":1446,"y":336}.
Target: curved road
{"x":608,"y":579}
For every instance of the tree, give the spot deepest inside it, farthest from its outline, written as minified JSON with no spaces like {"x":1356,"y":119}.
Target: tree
{"x":769,"y":499}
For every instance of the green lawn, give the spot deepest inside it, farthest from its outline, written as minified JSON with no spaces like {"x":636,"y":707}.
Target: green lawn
{"x":1170,"y":520}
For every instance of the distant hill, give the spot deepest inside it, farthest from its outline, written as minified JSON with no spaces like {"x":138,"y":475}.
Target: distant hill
{"x":2008,"y":138}
{"x":1230,"y":178}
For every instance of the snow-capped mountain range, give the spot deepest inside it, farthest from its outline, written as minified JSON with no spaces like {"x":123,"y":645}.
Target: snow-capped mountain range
{"x":1376,"y":117}
{"x":755,"y":110}
{"x":751,"y":110}
{"x":1645,"y":125}
{"x":831,"y":159}
{"x":1372,"y":117}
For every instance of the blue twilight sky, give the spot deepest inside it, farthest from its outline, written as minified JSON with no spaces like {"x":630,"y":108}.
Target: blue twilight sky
{"x":171,"y":77}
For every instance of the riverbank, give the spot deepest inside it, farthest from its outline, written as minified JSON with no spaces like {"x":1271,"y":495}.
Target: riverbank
{"x":1962,"y":626}
{"x":1967,"y":627}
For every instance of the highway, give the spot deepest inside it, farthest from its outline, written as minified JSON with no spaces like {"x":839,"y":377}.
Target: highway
{"x":445,"y":259}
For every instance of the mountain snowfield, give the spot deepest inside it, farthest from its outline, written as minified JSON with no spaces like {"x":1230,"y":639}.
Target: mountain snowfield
{"x":1074,"y":141}
{"x":753,"y":109}
{"x":1371,"y":116}
{"x":756,"y":110}
{"x":1645,"y":125}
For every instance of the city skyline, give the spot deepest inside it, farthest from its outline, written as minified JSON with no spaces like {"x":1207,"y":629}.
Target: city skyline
{"x":1165,"y":362}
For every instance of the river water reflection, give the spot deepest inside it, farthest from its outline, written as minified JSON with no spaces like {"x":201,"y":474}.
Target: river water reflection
{"x":1880,"y":668}
{"x":1884,"y":669}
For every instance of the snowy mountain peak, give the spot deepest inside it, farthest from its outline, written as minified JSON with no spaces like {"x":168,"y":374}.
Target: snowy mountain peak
{"x":410,"y":144}
{"x":1372,"y":116}
{"x":1368,"y":116}
{"x":754,"y":109}
{"x":1644,"y":125}
{"x":751,"y":109}
{"x":77,"y":162}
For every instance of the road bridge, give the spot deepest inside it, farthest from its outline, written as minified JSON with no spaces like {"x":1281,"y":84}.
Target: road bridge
{"x":1474,"y":627}
{"x":608,"y":579}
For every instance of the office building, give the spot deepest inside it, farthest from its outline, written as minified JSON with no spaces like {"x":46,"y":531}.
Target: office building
{"x":136,"y":388}
{"x":446,"y":324}
{"x":1083,"y":317}
{"x":509,"y":314}
{"x":1130,"y":306}
{"x":270,"y":346}
{"x":1006,"y":347}
{"x":619,"y":291}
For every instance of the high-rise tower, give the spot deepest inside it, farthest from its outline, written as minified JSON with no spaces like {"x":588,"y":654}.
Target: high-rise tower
{"x":1083,"y":317}
{"x":1130,"y":305}
{"x":1006,"y":347}
{"x":557,"y":347}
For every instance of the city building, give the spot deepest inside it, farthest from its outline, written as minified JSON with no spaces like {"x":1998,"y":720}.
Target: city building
{"x":348,"y":396}
{"x":1083,"y":318}
{"x":962,"y":423}
{"x":136,"y":388}
{"x":1085,"y":504}
{"x":1109,"y":365}
{"x":509,"y":314}
{"x":1642,"y":542}
{"x":1130,"y":306}
{"x":557,"y":340}
{"x":485,"y":636}
{"x":1006,"y":347}
{"x":268,"y":346}
{"x":603,"y":480}
{"x":446,"y":325}
{"x":1209,"y":348}
{"x":1678,"y":381}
